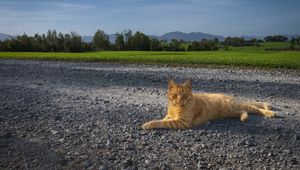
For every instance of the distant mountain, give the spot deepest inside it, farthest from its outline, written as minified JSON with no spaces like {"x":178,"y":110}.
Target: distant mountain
{"x":4,"y":36}
{"x":193,"y":36}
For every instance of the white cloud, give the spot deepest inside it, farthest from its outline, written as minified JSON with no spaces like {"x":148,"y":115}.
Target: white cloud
{"x":40,"y":11}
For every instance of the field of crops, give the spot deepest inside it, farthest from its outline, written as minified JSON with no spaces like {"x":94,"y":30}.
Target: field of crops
{"x":241,"y":58}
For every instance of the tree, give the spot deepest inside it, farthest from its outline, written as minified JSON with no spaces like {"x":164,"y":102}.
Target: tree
{"x":128,"y":35}
{"x":100,"y":41}
{"x":164,"y":45}
{"x":234,"y":41}
{"x":216,"y":40}
{"x":76,"y":43}
{"x":51,"y":42}
{"x":155,"y":45}
{"x":293,"y":43}
{"x":139,"y":41}
{"x":276,"y":38}
{"x":1,"y":46}
{"x":203,"y":45}
{"x":119,"y":42}
{"x":176,"y":45}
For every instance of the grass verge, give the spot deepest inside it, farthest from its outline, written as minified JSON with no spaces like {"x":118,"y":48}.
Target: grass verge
{"x":280,"y":59}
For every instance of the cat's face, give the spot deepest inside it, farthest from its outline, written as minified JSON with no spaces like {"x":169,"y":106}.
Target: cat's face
{"x":179,"y":94}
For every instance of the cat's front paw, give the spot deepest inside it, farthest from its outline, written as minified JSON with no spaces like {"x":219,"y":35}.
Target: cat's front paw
{"x":148,"y":125}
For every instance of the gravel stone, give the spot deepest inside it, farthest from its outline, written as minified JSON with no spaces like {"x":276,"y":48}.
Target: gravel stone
{"x":84,"y":115}
{"x":87,"y":163}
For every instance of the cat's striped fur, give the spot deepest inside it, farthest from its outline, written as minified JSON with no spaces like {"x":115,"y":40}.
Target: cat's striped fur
{"x":187,"y":110}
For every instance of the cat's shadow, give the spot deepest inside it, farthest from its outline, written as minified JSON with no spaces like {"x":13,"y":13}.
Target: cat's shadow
{"x":254,"y":125}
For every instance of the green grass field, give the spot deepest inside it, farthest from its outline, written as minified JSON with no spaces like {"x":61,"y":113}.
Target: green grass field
{"x":262,"y":48}
{"x":240,"y":58}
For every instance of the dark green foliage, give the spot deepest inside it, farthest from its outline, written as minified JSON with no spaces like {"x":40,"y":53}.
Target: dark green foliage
{"x":293,"y":44}
{"x":234,"y":41}
{"x":204,"y":45}
{"x":100,"y":41}
{"x":76,"y":44}
{"x":119,"y":42}
{"x":139,"y":41}
{"x":240,"y":42}
{"x":155,"y":45}
{"x":276,"y":38}
{"x":298,"y":40}
{"x":52,"y":42}
{"x":176,"y":45}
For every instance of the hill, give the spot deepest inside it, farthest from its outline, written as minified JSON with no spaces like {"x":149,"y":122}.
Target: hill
{"x":193,"y":36}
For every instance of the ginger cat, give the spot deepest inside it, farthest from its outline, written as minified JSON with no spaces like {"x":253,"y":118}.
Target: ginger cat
{"x":187,"y":110}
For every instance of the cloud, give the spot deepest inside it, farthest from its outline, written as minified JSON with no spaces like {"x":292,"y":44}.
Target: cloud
{"x":39,"y":11}
{"x":74,"y":7}
{"x":155,"y":16}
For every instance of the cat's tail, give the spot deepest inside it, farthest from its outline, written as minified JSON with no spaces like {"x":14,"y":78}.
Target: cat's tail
{"x":258,"y":108}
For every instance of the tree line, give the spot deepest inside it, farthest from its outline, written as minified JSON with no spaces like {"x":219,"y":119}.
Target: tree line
{"x":50,"y":42}
{"x":126,"y":40}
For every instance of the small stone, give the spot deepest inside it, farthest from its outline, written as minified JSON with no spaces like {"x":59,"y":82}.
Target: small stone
{"x":54,"y":132}
{"x":127,"y":163}
{"x":108,"y":143}
{"x":296,"y":137}
{"x":58,"y":117}
{"x":250,"y":143}
{"x":287,"y":151}
{"x":61,"y":140}
{"x":101,"y":167}
{"x":87,"y":163}
{"x":147,"y":162}
{"x":112,"y":157}
{"x":130,"y":113}
{"x":7,"y":135}
{"x":202,"y":165}
{"x":129,"y":147}
{"x":143,"y":132}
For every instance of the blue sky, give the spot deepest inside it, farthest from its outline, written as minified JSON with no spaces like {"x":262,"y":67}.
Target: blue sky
{"x":222,"y":17}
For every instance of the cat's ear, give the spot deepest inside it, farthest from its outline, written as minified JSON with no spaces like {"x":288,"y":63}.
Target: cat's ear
{"x":171,"y":83}
{"x":188,"y":84}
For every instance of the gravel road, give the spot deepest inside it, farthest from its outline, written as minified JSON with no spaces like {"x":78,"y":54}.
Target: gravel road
{"x":71,"y":115}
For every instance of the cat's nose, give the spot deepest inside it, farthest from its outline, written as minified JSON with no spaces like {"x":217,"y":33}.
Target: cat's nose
{"x":179,"y":97}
